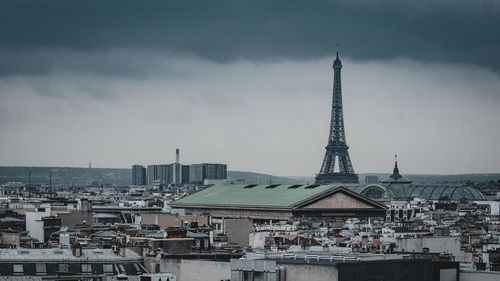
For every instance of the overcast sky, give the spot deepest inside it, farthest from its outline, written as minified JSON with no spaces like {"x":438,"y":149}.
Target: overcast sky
{"x":249,"y":83}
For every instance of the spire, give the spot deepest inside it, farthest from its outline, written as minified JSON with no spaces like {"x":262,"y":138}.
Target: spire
{"x":396,"y":177}
{"x":395,"y":173}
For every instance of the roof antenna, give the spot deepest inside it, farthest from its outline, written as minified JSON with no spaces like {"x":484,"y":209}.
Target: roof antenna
{"x":337,"y":50}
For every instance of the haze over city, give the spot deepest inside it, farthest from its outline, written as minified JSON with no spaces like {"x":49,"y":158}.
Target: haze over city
{"x":262,"y":140}
{"x":250,"y":86}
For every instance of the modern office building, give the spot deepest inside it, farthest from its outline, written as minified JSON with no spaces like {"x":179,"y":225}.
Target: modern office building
{"x":196,"y":173}
{"x":138,"y":175}
{"x":211,"y":171}
{"x":160,"y":174}
{"x":215,"y":171}
{"x":185,"y":173}
{"x":176,"y":173}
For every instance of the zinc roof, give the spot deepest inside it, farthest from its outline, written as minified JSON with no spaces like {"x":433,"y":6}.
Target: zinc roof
{"x":56,"y":254}
{"x":280,"y":196}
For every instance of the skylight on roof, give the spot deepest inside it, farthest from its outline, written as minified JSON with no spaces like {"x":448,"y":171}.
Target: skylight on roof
{"x":250,"y":186}
{"x":273,"y":185}
{"x":295,"y":186}
{"x":312,"y":186}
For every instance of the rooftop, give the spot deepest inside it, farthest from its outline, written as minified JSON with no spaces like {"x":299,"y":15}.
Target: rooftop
{"x":56,"y":254}
{"x":322,"y":258}
{"x":281,"y":196}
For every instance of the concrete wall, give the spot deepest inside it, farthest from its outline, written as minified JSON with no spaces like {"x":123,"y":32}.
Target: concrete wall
{"x":34,"y":223}
{"x":196,"y":270}
{"x":307,"y":272}
{"x":269,"y":270}
{"x":242,"y":213}
{"x":494,"y":206}
{"x":435,"y":244}
{"x":257,"y":270}
{"x":238,"y":230}
{"x":169,"y":220}
{"x":173,"y":245}
{"x":258,"y":239}
{"x":72,"y":218}
{"x":338,"y":200}
{"x":479,"y":276}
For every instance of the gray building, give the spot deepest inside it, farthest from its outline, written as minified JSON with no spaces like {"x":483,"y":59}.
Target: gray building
{"x":70,"y":264}
{"x":138,"y":175}
{"x":185,"y":173}
{"x":152,"y":173}
{"x":176,"y":173}
{"x":318,"y":267}
{"x":371,"y":179}
{"x":196,"y":173}
{"x":215,"y":171}
{"x":160,"y":174}
{"x":211,"y":171}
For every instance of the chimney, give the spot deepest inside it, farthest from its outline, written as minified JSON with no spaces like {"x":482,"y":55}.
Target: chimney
{"x":77,"y":250}
{"x":121,"y":250}
{"x":177,"y":156}
{"x":85,"y":205}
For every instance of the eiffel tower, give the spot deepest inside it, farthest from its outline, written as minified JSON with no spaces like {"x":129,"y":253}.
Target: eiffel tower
{"x":336,"y":150}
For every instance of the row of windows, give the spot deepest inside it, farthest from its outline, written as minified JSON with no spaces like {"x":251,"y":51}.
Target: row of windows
{"x":41,"y":268}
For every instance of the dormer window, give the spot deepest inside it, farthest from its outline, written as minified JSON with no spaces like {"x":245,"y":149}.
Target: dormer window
{"x":18,"y":269}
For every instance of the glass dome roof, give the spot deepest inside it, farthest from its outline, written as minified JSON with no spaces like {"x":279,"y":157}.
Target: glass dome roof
{"x":428,"y":192}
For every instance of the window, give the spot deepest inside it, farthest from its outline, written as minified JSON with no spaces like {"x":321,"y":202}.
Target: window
{"x":122,"y":269}
{"x":63,"y":267}
{"x":86,"y":268}
{"x":18,"y":269}
{"x":107,"y":268}
{"x":137,"y":268}
{"x":41,"y":268}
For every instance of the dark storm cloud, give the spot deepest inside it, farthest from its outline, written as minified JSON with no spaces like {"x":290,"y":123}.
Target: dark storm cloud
{"x":226,"y":30}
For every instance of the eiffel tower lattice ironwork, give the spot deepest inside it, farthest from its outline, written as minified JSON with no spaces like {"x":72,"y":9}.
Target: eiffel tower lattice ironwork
{"x":336,"y":150}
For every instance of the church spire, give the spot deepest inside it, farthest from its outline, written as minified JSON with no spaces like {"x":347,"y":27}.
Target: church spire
{"x":395,"y":173}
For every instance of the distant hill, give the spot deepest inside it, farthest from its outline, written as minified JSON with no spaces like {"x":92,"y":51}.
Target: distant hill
{"x":68,"y":176}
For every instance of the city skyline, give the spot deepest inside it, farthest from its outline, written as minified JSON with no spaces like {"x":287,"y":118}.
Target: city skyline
{"x":254,"y":100}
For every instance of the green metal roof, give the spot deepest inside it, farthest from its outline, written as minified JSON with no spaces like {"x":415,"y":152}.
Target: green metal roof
{"x":258,"y":196}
